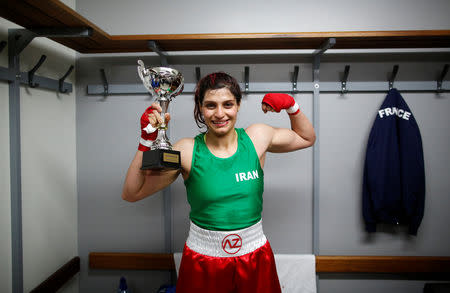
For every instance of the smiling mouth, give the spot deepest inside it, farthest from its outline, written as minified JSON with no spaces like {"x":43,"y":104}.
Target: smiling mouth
{"x":220,"y":123}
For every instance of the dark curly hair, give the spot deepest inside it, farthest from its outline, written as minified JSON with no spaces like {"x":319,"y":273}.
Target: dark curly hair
{"x":214,"y":81}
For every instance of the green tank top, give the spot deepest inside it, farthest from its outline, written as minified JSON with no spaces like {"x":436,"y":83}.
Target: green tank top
{"x":225,"y":193}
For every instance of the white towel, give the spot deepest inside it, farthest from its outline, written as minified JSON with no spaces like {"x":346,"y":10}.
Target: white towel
{"x":296,"y":272}
{"x":177,"y":259}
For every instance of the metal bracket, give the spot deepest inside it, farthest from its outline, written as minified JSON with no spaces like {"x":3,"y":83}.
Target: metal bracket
{"x":392,"y":78}
{"x":31,"y":73}
{"x":155,"y":48}
{"x":24,"y":36}
{"x":61,"y":80}
{"x":247,"y":79}
{"x":63,"y":32}
{"x":105,"y":82}
{"x":328,"y":44}
{"x":441,"y":78}
{"x":344,"y":79}
{"x":317,"y":54}
{"x":295,"y":79}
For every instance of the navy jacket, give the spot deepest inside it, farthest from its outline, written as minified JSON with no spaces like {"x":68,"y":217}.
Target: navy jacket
{"x":394,"y":176}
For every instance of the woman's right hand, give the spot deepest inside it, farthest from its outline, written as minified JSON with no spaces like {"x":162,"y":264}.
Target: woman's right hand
{"x":150,"y":121}
{"x":154,"y":117}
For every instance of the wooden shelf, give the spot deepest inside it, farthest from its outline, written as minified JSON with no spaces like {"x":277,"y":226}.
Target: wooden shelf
{"x":324,"y":263}
{"x":59,"y":278}
{"x":54,"y":14}
{"x":382,"y":264}
{"x":131,"y":261}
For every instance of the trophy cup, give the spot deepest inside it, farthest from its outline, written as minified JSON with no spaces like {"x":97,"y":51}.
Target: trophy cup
{"x":164,"y":84}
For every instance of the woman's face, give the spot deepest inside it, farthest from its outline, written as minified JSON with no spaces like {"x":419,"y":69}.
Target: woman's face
{"x":219,"y":109}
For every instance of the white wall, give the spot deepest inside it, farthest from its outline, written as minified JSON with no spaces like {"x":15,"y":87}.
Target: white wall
{"x":49,"y":198}
{"x":236,"y":16}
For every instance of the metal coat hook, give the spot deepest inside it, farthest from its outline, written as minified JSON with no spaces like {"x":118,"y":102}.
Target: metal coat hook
{"x":2,"y":45}
{"x":247,"y":78}
{"x":61,"y":80}
{"x":197,"y":73}
{"x":155,"y":48}
{"x":105,"y":82}
{"x":392,"y":78}
{"x":295,"y":78}
{"x":344,"y":79}
{"x":33,"y":71}
{"x":441,"y":78}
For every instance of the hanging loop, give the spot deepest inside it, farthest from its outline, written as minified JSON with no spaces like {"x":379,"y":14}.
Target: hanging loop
{"x":61,"y":80}
{"x":441,"y":78}
{"x":33,"y":71}
{"x":392,"y":78}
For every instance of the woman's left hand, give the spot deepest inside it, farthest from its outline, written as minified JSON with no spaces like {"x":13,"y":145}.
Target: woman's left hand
{"x":266,"y":108}
{"x":275,"y":102}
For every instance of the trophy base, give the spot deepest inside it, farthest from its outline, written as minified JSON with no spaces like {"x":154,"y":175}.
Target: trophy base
{"x":160,"y":159}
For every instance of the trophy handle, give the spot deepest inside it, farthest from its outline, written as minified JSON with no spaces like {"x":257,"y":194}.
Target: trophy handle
{"x":143,"y":74}
{"x":141,"y":69}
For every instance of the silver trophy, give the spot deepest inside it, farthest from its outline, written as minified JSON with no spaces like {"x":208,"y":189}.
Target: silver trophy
{"x":164,"y":84}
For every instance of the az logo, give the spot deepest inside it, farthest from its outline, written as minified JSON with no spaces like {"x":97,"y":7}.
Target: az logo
{"x":232,"y":243}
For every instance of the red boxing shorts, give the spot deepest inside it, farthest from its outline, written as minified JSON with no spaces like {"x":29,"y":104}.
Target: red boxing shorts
{"x":227,"y":261}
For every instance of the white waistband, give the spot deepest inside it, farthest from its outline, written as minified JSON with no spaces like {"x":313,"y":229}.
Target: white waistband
{"x":226,"y":243}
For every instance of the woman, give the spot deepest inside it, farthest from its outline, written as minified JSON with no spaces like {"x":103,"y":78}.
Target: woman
{"x":226,"y":250}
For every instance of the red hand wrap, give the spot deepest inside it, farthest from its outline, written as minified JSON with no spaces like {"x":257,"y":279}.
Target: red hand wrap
{"x":144,"y":135}
{"x":279,"y":101}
